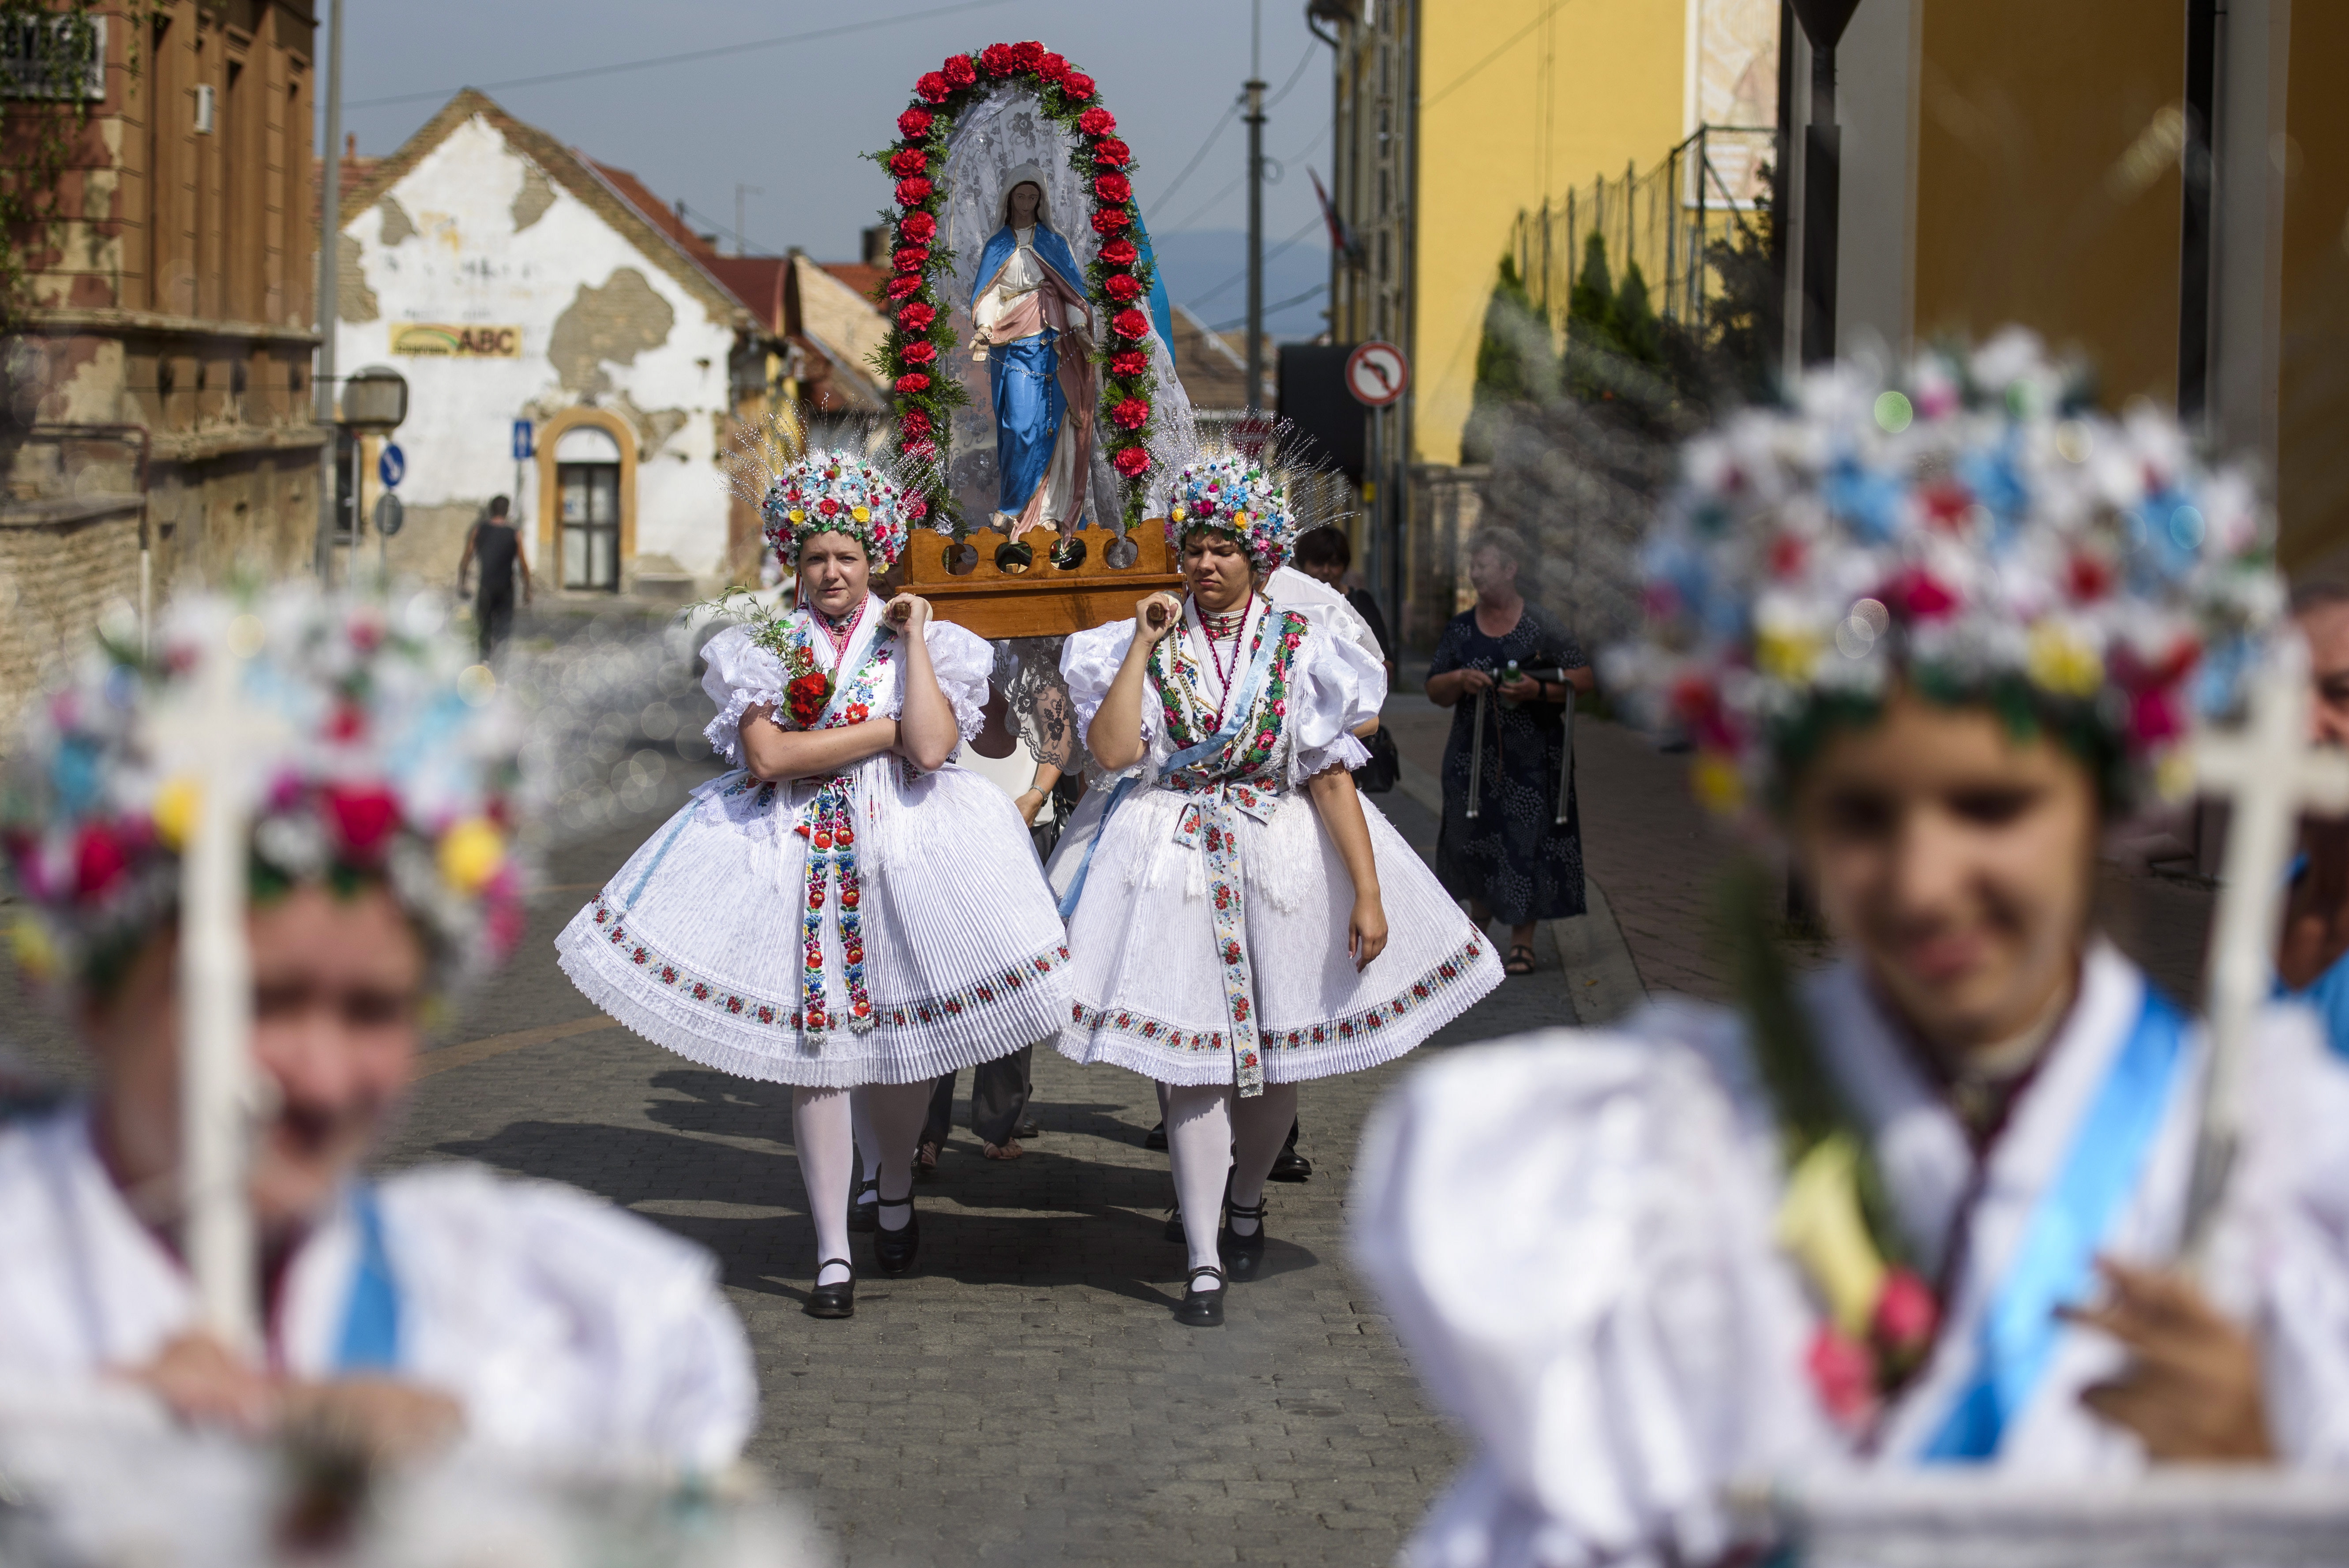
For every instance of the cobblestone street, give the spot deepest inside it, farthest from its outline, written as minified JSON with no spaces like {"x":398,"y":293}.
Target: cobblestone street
{"x":1024,"y":1395}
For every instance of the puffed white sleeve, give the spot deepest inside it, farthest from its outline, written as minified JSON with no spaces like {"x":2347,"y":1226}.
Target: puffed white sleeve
{"x":1089,"y":663}
{"x":1334,"y":686}
{"x":740,"y":675}
{"x":1571,"y":1233}
{"x":963,"y":661}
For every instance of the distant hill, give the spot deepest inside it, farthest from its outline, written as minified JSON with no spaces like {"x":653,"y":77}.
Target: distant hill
{"x":1196,"y":264}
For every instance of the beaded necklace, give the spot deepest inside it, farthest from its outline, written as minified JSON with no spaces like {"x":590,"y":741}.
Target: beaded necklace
{"x":1217,"y":628}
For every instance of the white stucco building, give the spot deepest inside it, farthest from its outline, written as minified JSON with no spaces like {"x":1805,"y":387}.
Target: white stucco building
{"x":508,"y":277}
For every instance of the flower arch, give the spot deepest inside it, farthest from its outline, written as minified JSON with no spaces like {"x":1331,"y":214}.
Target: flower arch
{"x":1118,"y":279}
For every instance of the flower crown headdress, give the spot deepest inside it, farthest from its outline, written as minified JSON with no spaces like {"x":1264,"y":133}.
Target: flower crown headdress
{"x":1236,"y":496}
{"x":392,"y":757}
{"x":1968,"y":527}
{"x":802,"y":491}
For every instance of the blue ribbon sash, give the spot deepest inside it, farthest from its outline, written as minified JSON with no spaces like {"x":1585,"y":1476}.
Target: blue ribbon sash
{"x":370,"y":1335}
{"x":2055,"y":1262}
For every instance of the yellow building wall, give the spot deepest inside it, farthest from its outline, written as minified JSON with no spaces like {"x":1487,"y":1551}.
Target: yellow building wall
{"x":1514,"y":105}
{"x":2312,"y":393}
{"x":2047,"y":182}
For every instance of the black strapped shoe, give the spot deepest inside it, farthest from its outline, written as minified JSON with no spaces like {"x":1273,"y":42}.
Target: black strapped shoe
{"x":1202,"y":1308}
{"x":1244,"y":1255}
{"x":833,"y":1300}
{"x":861,"y":1209}
{"x":895,"y":1250}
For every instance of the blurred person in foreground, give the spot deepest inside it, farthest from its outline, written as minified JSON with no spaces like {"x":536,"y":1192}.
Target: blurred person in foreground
{"x":1925,"y":1208}
{"x":437,"y":1306}
{"x":2313,"y":959}
{"x":1514,"y":860}
{"x":496,"y":546}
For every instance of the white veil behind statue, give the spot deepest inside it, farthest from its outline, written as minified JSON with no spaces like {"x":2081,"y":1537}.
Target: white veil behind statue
{"x":1005,"y":135}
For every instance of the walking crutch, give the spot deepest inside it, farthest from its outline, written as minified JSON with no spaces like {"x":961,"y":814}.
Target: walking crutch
{"x":1476,"y":758}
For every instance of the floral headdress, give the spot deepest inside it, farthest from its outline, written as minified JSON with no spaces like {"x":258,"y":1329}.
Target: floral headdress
{"x":390,"y":756}
{"x":1969,"y":528}
{"x":1236,"y":496}
{"x":802,"y":491}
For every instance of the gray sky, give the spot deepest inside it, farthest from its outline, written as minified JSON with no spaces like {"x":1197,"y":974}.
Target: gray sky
{"x":794,"y":118}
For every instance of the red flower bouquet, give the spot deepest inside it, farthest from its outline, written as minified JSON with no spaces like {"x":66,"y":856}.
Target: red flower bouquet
{"x":1132,"y":462}
{"x":804,"y":698}
{"x":1093,"y":121}
{"x":907,"y":161}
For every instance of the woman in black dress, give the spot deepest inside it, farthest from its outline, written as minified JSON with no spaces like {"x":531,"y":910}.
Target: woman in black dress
{"x":1513,"y":860}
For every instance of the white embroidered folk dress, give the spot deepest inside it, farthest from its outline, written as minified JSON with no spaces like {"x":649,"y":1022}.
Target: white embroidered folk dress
{"x":1208,"y":935}
{"x":879,"y":926}
{"x":572,"y":1331}
{"x":1574,"y":1233}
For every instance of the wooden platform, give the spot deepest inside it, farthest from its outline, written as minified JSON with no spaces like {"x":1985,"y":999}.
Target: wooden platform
{"x":1045,"y":601}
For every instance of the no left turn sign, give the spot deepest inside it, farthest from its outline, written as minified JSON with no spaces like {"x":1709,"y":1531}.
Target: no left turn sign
{"x":1376,"y":374}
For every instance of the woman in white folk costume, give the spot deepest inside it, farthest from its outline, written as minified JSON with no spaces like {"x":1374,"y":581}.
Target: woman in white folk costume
{"x":1242,"y":922}
{"x":844,"y":909}
{"x":437,"y":1305}
{"x":1925,"y":1209}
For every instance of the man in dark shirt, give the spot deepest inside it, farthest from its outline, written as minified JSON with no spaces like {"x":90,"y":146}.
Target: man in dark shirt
{"x":495,"y":545}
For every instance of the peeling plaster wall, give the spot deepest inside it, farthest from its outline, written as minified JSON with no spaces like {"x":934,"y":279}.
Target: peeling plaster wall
{"x":479,"y":236}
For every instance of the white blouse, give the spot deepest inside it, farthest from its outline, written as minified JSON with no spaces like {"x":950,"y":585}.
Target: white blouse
{"x":1333,"y":687}
{"x":742,"y":675}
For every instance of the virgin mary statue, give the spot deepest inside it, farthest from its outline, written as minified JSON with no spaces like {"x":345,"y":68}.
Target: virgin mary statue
{"x":1030,"y":296}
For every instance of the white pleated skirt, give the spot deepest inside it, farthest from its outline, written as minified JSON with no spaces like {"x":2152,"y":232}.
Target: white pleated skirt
{"x":697,"y":943}
{"x":1146,"y":983}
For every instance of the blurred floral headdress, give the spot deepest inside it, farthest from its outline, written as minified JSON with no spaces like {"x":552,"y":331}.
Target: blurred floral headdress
{"x":1969,"y":526}
{"x":392,"y":756}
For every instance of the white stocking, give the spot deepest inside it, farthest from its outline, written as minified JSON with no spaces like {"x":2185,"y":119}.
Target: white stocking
{"x":1259,"y":1128}
{"x":819,"y":1127}
{"x":1199,"y":1147}
{"x":897,"y":1111}
{"x":868,"y":1143}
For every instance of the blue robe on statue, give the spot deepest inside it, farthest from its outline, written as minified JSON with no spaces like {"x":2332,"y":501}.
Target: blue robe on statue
{"x":1024,"y":377}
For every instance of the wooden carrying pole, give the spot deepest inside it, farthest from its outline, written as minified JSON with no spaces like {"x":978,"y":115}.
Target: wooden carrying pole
{"x":1042,"y":599}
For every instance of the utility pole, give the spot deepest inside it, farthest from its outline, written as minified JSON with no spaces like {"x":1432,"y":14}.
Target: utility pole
{"x":1255,"y":211}
{"x":1823,"y":23}
{"x":742,"y":246}
{"x":330,"y":231}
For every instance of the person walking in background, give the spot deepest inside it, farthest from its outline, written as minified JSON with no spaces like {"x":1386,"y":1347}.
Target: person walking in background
{"x":2313,"y":959}
{"x":497,"y":547}
{"x":1507,"y":669}
{"x":1326,"y":555}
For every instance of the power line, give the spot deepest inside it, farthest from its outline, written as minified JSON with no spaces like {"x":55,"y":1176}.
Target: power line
{"x":1319,"y":138}
{"x":1284,"y":304}
{"x":1310,"y":224}
{"x":1199,"y":157}
{"x":843,"y":28}
{"x":1548,"y":12}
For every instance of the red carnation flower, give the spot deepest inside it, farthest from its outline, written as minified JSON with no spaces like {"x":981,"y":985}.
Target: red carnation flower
{"x":915,"y":316}
{"x":915,"y":123}
{"x":916,"y":508}
{"x":932,"y":87}
{"x":1122,"y":287}
{"x":99,"y":861}
{"x":919,"y":228}
{"x":913,"y":381}
{"x":1130,"y":414}
{"x":1113,"y":188}
{"x":959,"y":70}
{"x":1906,"y":1318}
{"x":362,"y":818}
{"x":805,"y":698}
{"x":1921,"y":596}
{"x":912,"y":258}
{"x":1028,"y":55}
{"x":904,"y":284}
{"x":827,"y":506}
{"x":918,"y":352}
{"x":913,"y":422}
{"x":1110,"y":153}
{"x":913,"y":192}
{"x":1093,"y":121}
{"x":1120,"y":254}
{"x":923,"y":448}
{"x":1110,"y":220}
{"x":1132,"y":462}
{"x":1052,"y":67}
{"x":999,"y":59}
{"x":907,"y":161}
{"x":1078,"y":85}
{"x":1129,"y":323}
{"x":1128,"y":362}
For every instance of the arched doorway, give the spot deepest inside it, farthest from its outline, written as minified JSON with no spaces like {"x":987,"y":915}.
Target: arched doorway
{"x":587,"y":503}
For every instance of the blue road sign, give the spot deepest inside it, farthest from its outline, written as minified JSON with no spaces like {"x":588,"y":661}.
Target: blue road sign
{"x":524,"y":443}
{"x":392,"y":467}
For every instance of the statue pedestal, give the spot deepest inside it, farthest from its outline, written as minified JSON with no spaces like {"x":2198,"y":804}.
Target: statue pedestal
{"x":1045,"y":600}
{"x":2174,"y":1517}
